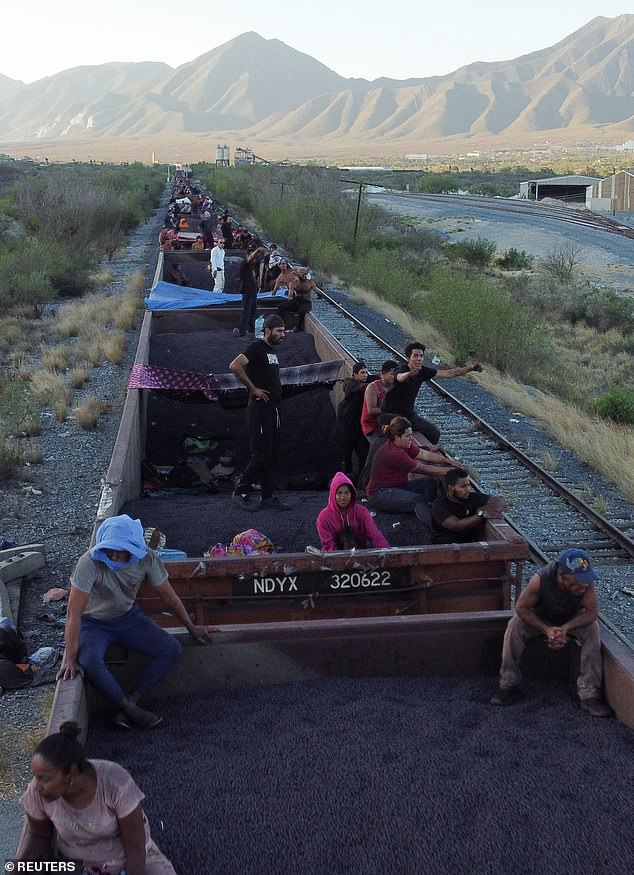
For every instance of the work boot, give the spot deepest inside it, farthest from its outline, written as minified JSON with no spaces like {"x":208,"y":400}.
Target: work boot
{"x":597,"y":706}
{"x":506,"y":696}
{"x":139,"y":716}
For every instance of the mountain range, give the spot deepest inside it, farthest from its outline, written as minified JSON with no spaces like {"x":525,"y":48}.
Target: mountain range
{"x":266,"y":91}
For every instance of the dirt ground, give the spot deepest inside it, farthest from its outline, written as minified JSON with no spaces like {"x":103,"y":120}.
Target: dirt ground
{"x":607,"y":262}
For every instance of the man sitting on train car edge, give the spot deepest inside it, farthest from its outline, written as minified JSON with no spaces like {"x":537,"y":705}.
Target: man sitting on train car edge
{"x":102,"y":611}
{"x":560,"y":601}
{"x":459,"y":516}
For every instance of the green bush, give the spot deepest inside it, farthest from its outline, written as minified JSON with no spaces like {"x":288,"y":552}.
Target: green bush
{"x":487,"y":189}
{"x":70,"y":217}
{"x":438,"y":183}
{"x":478,"y":252}
{"x":561,"y":261}
{"x":516,"y":259}
{"x":483,"y":322}
{"x":617,"y":404}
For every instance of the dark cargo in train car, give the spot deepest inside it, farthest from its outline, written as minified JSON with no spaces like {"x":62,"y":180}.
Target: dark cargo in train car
{"x":290,"y":583}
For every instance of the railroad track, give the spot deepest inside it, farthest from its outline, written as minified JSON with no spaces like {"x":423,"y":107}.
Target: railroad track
{"x":548,"y":512}
{"x":529,"y":209}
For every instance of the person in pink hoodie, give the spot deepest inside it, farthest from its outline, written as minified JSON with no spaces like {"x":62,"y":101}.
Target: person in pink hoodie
{"x":343,"y":516}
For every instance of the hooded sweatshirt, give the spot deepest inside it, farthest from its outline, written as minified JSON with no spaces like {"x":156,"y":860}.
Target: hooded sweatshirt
{"x":112,"y":586}
{"x":332,"y":520}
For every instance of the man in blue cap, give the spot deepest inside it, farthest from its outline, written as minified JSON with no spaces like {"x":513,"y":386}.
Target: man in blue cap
{"x":560,"y":601}
{"x":102,"y":611}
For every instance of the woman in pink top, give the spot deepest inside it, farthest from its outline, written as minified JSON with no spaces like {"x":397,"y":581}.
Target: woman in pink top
{"x":390,"y":489}
{"x":88,"y":810}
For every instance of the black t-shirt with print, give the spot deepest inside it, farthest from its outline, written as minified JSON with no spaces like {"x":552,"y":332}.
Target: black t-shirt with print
{"x":401,"y":398}
{"x":263,"y":369}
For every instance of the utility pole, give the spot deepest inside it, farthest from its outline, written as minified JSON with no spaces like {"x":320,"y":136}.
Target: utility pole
{"x":356,"y":221}
{"x":282,"y":184}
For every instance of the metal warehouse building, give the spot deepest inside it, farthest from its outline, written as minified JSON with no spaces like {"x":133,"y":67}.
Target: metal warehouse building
{"x":572,"y":189}
{"x":614,"y":193}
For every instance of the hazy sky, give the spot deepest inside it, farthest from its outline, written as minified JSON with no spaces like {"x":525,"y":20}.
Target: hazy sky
{"x":361,"y":38}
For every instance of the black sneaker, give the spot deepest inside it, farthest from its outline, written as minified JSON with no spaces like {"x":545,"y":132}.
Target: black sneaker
{"x":506,"y":696}
{"x":120,"y":721}
{"x":273,"y":503}
{"x":596,"y":706}
{"x":139,"y":716}
{"x":243,"y":500}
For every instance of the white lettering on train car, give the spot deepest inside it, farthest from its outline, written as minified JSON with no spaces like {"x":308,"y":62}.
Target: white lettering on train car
{"x":274,"y":584}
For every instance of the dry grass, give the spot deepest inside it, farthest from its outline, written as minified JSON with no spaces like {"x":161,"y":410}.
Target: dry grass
{"x":75,"y":317}
{"x":102,"y":278}
{"x":10,"y":458}
{"x":16,"y":747}
{"x":57,"y":358}
{"x":88,"y":413}
{"x":10,"y":333}
{"x":83,"y":318}
{"x":79,"y":377}
{"x":416,"y":329}
{"x":131,"y":302}
{"x":32,"y":425}
{"x":49,"y":387}
{"x":126,"y":314}
{"x":60,"y":409}
{"x":606,"y":448}
{"x":33,"y":454}
{"x":114,"y":348}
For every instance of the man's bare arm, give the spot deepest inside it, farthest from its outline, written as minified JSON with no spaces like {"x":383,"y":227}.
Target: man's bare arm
{"x":448,"y":373}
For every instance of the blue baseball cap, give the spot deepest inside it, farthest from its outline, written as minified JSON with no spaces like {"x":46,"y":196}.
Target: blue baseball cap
{"x":576,"y":563}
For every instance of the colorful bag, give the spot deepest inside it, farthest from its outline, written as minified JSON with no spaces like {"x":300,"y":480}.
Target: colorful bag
{"x":245,"y":544}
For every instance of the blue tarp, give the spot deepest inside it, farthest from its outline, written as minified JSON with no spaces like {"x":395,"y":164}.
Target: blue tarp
{"x":168,"y":296}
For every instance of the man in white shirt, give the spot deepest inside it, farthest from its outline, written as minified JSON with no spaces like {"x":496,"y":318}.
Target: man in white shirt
{"x":217,"y":265}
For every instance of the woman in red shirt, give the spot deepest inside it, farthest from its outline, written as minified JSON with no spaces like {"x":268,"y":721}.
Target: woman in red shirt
{"x":390,"y":489}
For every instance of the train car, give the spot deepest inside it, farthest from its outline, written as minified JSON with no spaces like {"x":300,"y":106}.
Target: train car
{"x":294,"y":612}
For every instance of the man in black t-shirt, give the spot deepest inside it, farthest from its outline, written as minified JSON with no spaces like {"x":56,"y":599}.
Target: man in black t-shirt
{"x":459,"y":516}
{"x":400,"y":400}
{"x":259,"y":370}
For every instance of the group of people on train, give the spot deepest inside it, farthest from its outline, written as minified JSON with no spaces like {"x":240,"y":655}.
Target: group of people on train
{"x":91,"y":810}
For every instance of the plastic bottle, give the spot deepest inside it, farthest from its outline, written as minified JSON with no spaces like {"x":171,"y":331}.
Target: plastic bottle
{"x":259,"y":327}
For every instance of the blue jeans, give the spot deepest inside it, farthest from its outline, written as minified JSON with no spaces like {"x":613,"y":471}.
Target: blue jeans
{"x":415,"y":496}
{"x":135,"y":631}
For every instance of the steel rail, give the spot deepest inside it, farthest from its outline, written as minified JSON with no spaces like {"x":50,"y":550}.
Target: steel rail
{"x":537,"y":554}
{"x":599,"y":521}
{"x":530,"y":210}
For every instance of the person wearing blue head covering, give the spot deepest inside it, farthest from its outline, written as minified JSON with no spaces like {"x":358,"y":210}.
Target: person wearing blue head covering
{"x":102,"y":610}
{"x":559,"y":602}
